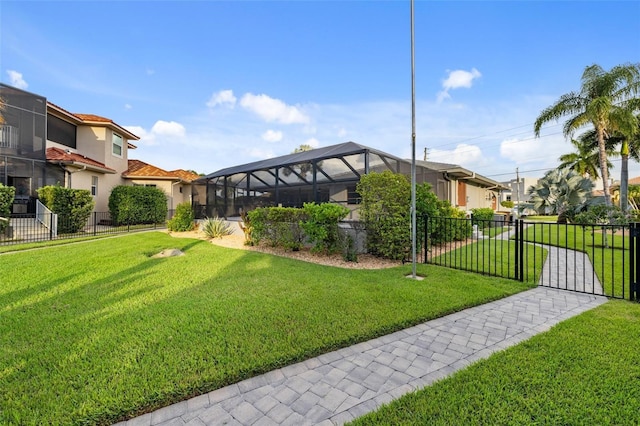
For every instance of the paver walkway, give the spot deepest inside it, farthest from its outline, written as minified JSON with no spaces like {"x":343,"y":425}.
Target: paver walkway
{"x":339,"y":386}
{"x":564,"y":268}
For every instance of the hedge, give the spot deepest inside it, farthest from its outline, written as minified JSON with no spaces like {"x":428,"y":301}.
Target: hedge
{"x":73,"y":206}
{"x":7,"y":194}
{"x":133,"y":205}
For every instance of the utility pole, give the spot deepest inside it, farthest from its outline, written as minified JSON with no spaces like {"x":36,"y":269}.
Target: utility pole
{"x":517,"y":187}
{"x":425,"y":154}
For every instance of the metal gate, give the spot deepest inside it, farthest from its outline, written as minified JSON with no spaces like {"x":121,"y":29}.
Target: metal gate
{"x":594,"y":259}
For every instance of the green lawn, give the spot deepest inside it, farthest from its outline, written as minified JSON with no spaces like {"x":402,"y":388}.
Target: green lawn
{"x":493,"y":257}
{"x":97,"y":332}
{"x":584,"y":371}
{"x":553,"y":219}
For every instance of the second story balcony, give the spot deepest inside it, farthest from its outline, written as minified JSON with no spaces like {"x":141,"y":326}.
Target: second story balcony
{"x":9,"y":137}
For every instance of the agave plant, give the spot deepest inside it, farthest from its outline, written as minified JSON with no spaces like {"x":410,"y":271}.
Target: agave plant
{"x":562,"y":192}
{"x":215,"y":227}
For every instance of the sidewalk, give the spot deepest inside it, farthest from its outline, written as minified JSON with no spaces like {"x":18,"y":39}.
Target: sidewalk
{"x":339,"y":386}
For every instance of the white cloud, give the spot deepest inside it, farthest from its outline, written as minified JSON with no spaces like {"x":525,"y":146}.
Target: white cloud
{"x":272,"y":136}
{"x":16,"y":79}
{"x":521,"y":151}
{"x":464,"y":155}
{"x":313,"y":142}
{"x":137,"y":130}
{"x":456,"y":80}
{"x":168,"y":128}
{"x":260,"y":154}
{"x":460,"y":78}
{"x":150,"y":71}
{"x":127,"y":106}
{"x":221,"y":98}
{"x":273,"y":110}
{"x":162,"y":131}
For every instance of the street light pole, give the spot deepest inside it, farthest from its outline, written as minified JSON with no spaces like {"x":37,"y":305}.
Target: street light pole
{"x":413,"y":150}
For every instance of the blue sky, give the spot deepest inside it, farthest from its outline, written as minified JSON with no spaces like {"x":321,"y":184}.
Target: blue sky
{"x":212,"y":84}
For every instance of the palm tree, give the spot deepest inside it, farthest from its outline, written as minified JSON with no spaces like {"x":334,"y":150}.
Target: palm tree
{"x":562,"y":192}
{"x":602,"y":94}
{"x":584,"y":160}
{"x":628,"y":131}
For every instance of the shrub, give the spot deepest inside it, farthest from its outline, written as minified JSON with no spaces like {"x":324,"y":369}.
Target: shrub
{"x":321,"y":225}
{"x":386,"y":198}
{"x":349,"y":251}
{"x":601,"y":214}
{"x":483,"y":217}
{"x":73,"y":206}
{"x":183,"y":219}
{"x":7,"y":194}
{"x":279,"y":226}
{"x":132,"y":205}
{"x":215,"y":227}
{"x":246,"y":227}
{"x":507,"y":204}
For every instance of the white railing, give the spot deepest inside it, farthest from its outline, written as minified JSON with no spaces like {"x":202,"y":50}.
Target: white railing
{"x":8,"y":137}
{"x":47,"y":218}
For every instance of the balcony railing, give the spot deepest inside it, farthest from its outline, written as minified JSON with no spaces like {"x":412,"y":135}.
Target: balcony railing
{"x":9,"y":137}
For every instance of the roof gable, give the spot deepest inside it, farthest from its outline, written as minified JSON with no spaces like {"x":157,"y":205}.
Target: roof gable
{"x":141,"y":170}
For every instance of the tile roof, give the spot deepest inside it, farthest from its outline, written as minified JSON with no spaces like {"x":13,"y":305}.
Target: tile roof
{"x":185,"y":175}
{"x":59,"y":155}
{"x":140,"y":169}
{"x":92,"y":118}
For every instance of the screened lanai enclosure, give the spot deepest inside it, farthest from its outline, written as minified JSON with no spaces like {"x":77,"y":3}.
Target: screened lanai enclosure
{"x":322,"y":175}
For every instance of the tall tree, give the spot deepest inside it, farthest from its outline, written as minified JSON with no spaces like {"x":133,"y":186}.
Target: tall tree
{"x":601,"y":97}
{"x":628,"y":131}
{"x":585,"y":159}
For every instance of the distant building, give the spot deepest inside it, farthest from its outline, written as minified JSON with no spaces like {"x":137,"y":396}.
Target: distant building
{"x":517,"y":190}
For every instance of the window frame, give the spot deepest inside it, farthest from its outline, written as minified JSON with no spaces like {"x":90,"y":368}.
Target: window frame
{"x":115,"y":135}
{"x":94,"y":186}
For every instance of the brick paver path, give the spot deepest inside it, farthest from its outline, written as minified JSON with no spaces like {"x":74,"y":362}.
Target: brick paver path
{"x":339,"y":386}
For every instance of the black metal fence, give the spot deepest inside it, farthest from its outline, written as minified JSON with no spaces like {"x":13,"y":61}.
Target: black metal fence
{"x":28,"y":228}
{"x":595,"y":259}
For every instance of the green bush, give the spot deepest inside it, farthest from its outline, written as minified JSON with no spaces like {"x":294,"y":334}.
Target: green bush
{"x":482,"y":217}
{"x":430,"y":208}
{"x":279,"y":226}
{"x":73,"y":206}
{"x":132,"y":205}
{"x":215,"y":227}
{"x":321,"y":225}
{"x":507,"y":204}
{"x":7,"y":194}
{"x":386,"y":199}
{"x":183,"y":219}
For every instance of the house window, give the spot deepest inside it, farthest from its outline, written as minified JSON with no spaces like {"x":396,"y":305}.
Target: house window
{"x":352,"y":195}
{"x":94,"y":185}
{"x":508,"y":197}
{"x":61,"y":132}
{"x":117,"y":145}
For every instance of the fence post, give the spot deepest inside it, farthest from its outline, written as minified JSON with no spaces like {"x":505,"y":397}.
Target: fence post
{"x":425,"y":218}
{"x":634,"y":265}
{"x":51,"y":226}
{"x":516,"y":262}
{"x":95,"y":223}
{"x":521,"y":249}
